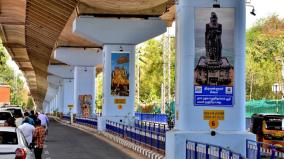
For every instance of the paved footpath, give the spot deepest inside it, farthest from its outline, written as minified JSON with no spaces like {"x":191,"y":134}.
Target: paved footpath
{"x":64,"y":142}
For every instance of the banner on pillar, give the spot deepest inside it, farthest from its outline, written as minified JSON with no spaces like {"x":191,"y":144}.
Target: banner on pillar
{"x":119,"y":74}
{"x":85,"y":104}
{"x":214,"y":57}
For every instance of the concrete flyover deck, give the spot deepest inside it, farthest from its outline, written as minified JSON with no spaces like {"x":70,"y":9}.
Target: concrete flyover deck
{"x":65,"y":142}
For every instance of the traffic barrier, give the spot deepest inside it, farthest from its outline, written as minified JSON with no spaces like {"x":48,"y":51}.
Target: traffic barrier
{"x":153,"y":140}
{"x":258,"y":150}
{"x":89,"y":122}
{"x":198,"y":150}
{"x":66,"y":117}
{"x":161,"y":118}
{"x":152,"y":126}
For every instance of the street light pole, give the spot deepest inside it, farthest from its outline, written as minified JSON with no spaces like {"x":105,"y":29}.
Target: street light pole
{"x":276,"y":89}
{"x":281,"y":61}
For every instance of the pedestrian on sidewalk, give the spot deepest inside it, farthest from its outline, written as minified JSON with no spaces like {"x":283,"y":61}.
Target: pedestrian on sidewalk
{"x":28,"y":130}
{"x":33,"y":115}
{"x":38,"y":139}
{"x":44,"y":120}
{"x":27,"y":118}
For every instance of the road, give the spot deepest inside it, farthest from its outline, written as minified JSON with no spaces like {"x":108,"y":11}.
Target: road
{"x":64,"y":142}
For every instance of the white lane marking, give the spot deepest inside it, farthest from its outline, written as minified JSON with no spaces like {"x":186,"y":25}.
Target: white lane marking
{"x":46,"y":152}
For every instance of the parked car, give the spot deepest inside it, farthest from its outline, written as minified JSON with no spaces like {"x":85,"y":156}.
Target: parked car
{"x":13,"y":144}
{"x":17,"y":113}
{"x":4,"y":115}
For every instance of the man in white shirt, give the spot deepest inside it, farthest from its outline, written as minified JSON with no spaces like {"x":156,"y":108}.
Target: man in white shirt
{"x":43,"y":118}
{"x":44,"y":121}
{"x":27,"y":130}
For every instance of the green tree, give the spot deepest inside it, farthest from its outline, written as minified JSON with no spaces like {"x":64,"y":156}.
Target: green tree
{"x":265,"y":45}
{"x":30,"y":104}
{"x":99,"y":92}
{"x":151,"y":71}
{"x":8,"y":77}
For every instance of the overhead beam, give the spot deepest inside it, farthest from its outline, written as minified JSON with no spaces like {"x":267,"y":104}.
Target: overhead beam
{"x":13,"y":45}
{"x":54,"y":80}
{"x":126,"y":30}
{"x":20,"y":59}
{"x":79,"y":56}
{"x":61,"y":71}
{"x":26,"y":69}
{"x":12,"y":23}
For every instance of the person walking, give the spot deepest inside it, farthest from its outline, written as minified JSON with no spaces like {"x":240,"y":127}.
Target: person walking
{"x":33,"y":115}
{"x":27,"y":118}
{"x":28,"y":130}
{"x":44,"y":120}
{"x":38,"y":139}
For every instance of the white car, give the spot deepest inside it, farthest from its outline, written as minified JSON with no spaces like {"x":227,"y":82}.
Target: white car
{"x":13,"y":144}
{"x":4,"y":115}
{"x":17,"y":113}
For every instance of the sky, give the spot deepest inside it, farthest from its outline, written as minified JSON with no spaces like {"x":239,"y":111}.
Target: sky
{"x":264,"y":8}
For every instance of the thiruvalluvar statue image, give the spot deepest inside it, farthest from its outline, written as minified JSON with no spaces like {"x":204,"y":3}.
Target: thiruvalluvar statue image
{"x":213,"y":69}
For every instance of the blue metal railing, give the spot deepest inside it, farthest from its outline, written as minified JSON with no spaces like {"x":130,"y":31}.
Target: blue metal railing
{"x":198,"y":150}
{"x":161,"y":118}
{"x":152,"y":126}
{"x":153,"y":140}
{"x":259,"y":150}
{"x":66,"y":117}
{"x":90,"y":122}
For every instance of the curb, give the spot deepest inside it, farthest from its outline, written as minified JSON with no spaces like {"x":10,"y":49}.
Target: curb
{"x":125,"y":143}
{"x":139,"y":149}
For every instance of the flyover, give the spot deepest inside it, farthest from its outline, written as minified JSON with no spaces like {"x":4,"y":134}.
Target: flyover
{"x":32,"y":29}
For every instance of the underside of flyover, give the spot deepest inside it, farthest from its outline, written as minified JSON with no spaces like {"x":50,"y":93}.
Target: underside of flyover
{"x":32,"y":29}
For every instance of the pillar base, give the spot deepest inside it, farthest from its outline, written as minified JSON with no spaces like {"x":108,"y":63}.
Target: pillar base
{"x":129,"y":120}
{"x":234,"y":140}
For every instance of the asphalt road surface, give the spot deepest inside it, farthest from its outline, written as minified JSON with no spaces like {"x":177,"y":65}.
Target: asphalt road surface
{"x":64,"y":142}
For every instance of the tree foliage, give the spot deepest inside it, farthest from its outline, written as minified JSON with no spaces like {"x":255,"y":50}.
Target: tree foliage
{"x":99,"y":92}
{"x":30,"y":104}
{"x":151,"y":72}
{"x":265,"y":50}
{"x":8,"y":77}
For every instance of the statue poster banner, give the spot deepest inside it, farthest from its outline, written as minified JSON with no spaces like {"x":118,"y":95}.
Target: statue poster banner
{"x":214,"y":57}
{"x":119,"y":74}
{"x":85,"y":104}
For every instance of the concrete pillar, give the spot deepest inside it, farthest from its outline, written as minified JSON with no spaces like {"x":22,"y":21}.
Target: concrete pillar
{"x":56,"y":102}
{"x":84,"y":85}
{"x":84,"y":62}
{"x":118,"y":36}
{"x":52,"y":105}
{"x":45,"y":106}
{"x":112,"y":109}
{"x":68,"y":86}
{"x":59,"y":98}
{"x":190,"y":120}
